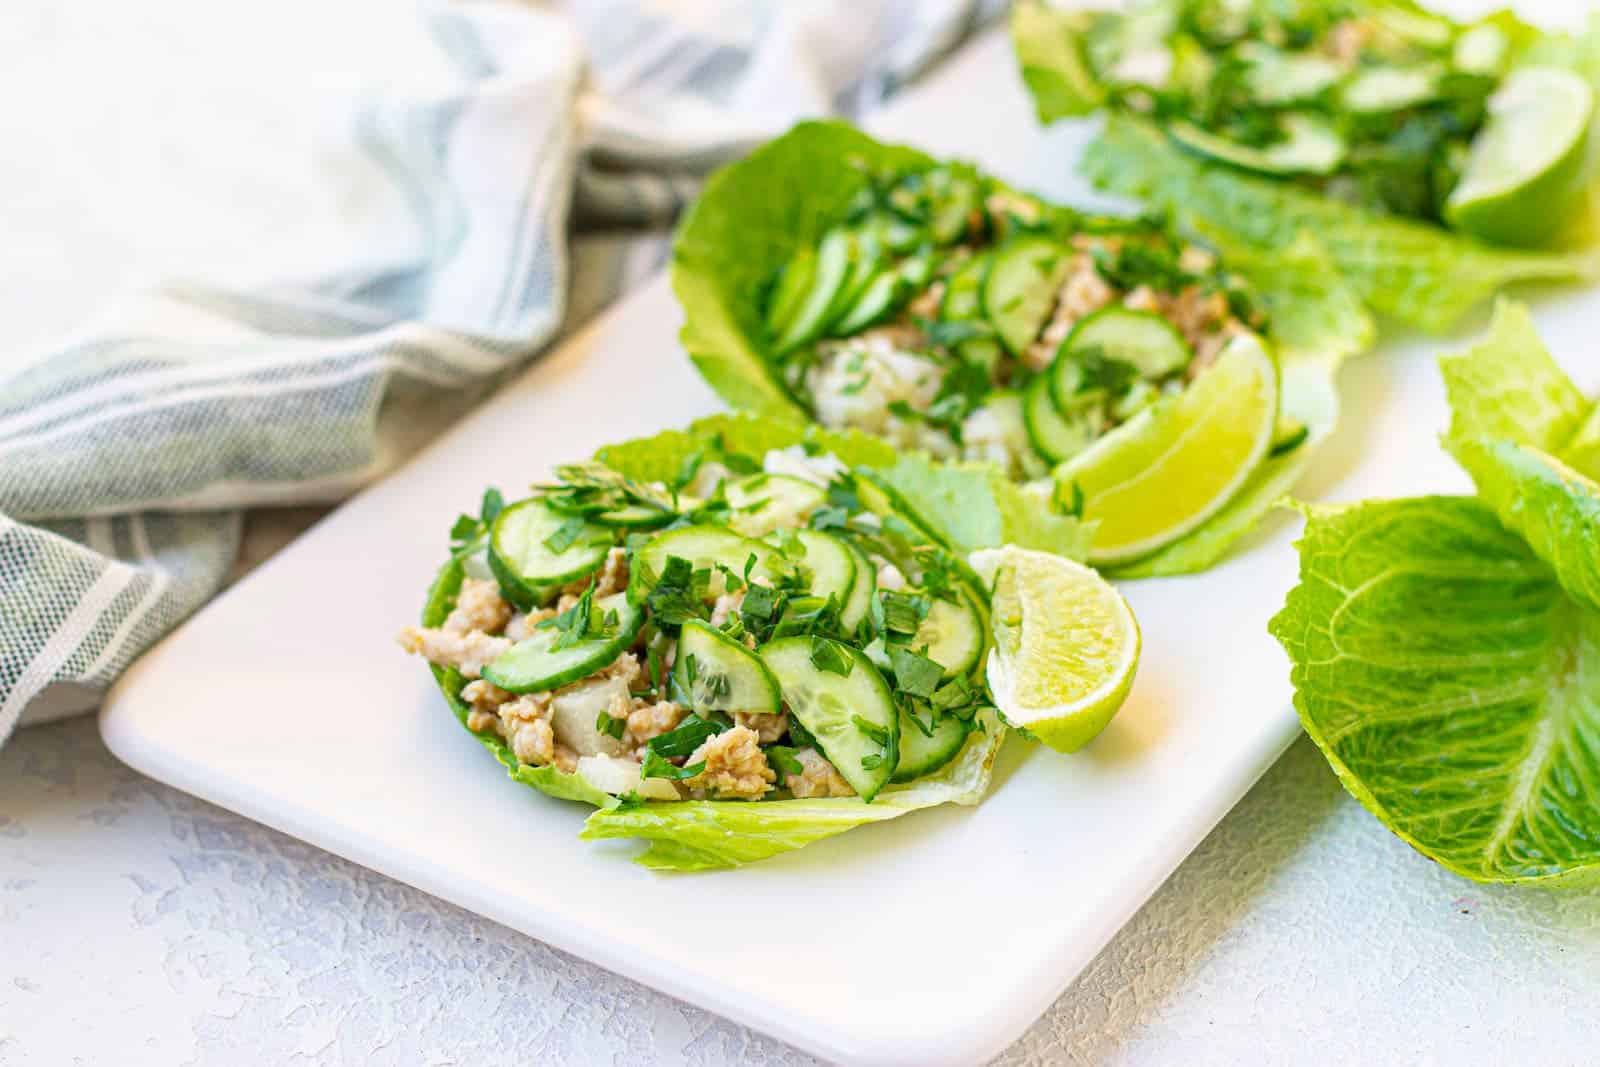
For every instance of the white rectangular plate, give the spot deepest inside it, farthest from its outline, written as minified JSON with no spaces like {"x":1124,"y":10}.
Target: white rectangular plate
{"x":937,"y":938}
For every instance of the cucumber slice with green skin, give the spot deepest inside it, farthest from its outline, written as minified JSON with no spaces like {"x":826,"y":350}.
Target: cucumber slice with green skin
{"x":957,"y":196}
{"x":880,"y":298}
{"x":713,"y":672}
{"x":634,"y":517}
{"x":704,"y":546}
{"x":832,"y":565}
{"x":1378,"y":89}
{"x":921,"y":755}
{"x":834,"y":263}
{"x":1020,"y":289}
{"x":525,"y":565}
{"x":828,"y":704}
{"x":1310,"y":146}
{"x":963,"y":290}
{"x":859,"y":603}
{"x":762,"y":503}
{"x":954,"y":635}
{"x":534,"y":666}
{"x":1149,"y":342}
{"x":867,"y":264}
{"x":1055,"y":436}
{"x":793,"y":286}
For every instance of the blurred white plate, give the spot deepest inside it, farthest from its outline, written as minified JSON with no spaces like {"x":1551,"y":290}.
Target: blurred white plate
{"x":934,"y":939}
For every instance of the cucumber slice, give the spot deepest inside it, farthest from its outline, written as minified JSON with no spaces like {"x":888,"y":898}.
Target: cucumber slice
{"x":956,"y":196}
{"x":1055,"y":436}
{"x":1311,"y":145}
{"x":713,"y":672}
{"x":526,"y":566}
{"x":832,"y":565}
{"x":793,"y":285}
{"x":534,"y":665}
{"x":1277,"y":78}
{"x":920,"y":754}
{"x":1378,"y":89}
{"x":1020,"y":289}
{"x":984,"y":351}
{"x":1149,"y":342}
{"x":953,"y":633}
{"x":704,"y":546}
{"x":963,"y":290}
{"x":634,"y":517}
{"x":867,"y":257}
{"x":762,"y":503}
{"x":821,"y":303}
{"x":866,"y":583}
{"x":827,"y":705}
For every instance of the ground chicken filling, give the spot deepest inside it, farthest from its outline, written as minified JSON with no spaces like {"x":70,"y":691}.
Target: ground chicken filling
{"x":933,"y":376}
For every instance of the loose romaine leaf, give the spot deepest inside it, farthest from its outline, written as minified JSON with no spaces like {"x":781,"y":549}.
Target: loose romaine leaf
{"x":1420,"y":274}
{"x":1453,"y":685}
{"x":1049,"y":43}
{"x":750,"y":220}
{"x":699,"y":835}
{"x":1317,"y":321}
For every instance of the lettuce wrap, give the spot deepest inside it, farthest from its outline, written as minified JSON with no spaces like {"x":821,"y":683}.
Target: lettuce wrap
{"x":1215,"y":142}
{"x":941,"y":374}
{"x":923,"y":516}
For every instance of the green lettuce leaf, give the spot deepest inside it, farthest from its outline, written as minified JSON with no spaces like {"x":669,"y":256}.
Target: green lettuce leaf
{"x":751,"y":219}
{"x":1527,"y":436}
{"x":660,"y":457}
{"x":970,"y":506}
{"x":698,"y":835}
{"x":1453,"y":684}
{"x":1049,"y":43}
{"x":1420,"y":274}
{"x":1317,"y":321}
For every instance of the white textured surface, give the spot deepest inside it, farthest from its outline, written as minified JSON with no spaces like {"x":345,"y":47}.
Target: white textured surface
{"x":140,"y":926}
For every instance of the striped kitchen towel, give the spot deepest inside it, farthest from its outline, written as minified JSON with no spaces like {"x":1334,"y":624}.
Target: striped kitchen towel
{"x":357,"y":232}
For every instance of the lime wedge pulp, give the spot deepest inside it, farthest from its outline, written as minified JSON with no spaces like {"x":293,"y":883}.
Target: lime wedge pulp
{"x":1169,"y":468}
{"x":1527,"y":165}
{"x":1066,"y":645}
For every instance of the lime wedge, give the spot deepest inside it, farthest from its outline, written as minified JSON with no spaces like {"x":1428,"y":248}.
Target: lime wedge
{"x":1174,"y":465}
{"x":1527,"y":164}
{"x":1066,"y":645}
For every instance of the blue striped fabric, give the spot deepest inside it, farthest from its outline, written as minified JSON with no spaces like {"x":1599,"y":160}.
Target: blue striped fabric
{"x":126,"y":456}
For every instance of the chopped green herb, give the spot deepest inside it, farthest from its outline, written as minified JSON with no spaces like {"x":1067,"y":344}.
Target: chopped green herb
{"x":687,"y":736}
{"x":831,"y":656}
{"x":783,"y":758}
{"x":657,"y":766}
{"x":566,"y":535}
{"x":914,"y":673}
{"x":871,"y":729}
{"x":611,"y":727}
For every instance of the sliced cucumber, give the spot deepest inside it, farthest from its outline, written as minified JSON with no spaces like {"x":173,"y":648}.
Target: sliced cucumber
{"x":885,"y":293}
{"x":704,"y":546}
{"x":920,"y":754}
{"x":1149,"y":342}
{"x":1310,"y":145}
{"x":984,"y":351}
{"x":953,"y":633}
{"x":963,"y":290}
{"x":762,"y":503}
{"x":832,"y":566}
{"x":828,"y":704}
{"x":821,"y":303}
{"x":1020,"y":289}
{"x":1278,"y":78}
{"x":956,"y":196}
{"x":713,"y":672}
{"x":793,"y":286}
{"x":524,"y":563}
{"x":866,"y":583}
{"x":867,"y":264}
{"x":534,"y":665}
{"x":1378,"y":89}
{"x":1054,"y":436}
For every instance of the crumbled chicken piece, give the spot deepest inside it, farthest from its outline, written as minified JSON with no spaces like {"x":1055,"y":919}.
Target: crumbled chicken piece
{"x":625,"y":666}
{"x":1142,"y":298}
{"x":467,"y":652}
{"x":649,"y":719}
{"x":478,"y":607}
{"x":1197,"y":312}
{"x":768,"y":727}
{"x":735,"y":766}
{"x":524,"y":723}
{"x":1196,"y":260}
{"x":926,"y":304}
{"x":1083,"y":293}
{"x":818,"y":778}
{"x":1209,"y":347}
{"x":485,"y":696}
{"x":725,"y":605}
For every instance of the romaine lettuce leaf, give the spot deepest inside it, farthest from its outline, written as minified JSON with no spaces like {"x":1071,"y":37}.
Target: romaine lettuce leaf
{"x":1049,"y":43}
{"x":750,"y":220}
{"x":698,"y":835}
{"x":1420,"y":274}
{"x":1453,"y":684}
{"x":1317,"y":321}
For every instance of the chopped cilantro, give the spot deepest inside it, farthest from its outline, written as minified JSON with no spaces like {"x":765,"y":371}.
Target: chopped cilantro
{"x":914,"y":673}
{"x":783,"y":758}
{"x":610,"y":726}
{"x":687,"y":736}
{"x":830,"y":656}
{"x":657,"y":766}
{"x":573,"y":623}
{"x":871,"y":729}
